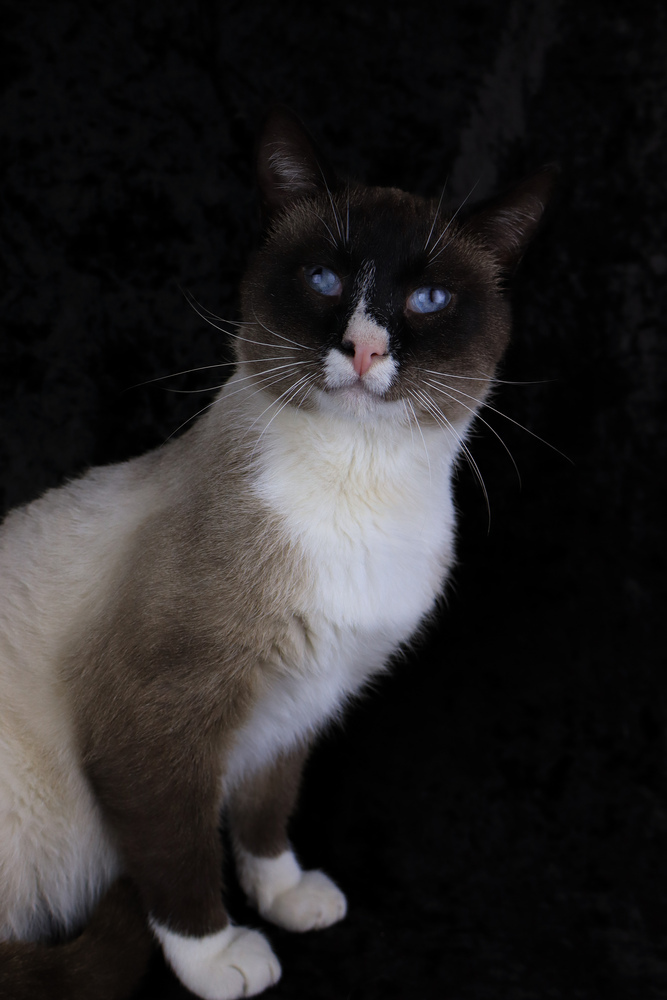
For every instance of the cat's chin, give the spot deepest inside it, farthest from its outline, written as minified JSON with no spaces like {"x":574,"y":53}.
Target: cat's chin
{"x":358,"y":402}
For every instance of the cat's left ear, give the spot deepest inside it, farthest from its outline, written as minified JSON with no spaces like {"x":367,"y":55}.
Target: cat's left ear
{"x":289,"y":164}
{"x":507,"y":224}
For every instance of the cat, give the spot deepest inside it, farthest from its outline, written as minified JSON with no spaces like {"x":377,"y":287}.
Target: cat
{"x":176,"y":630}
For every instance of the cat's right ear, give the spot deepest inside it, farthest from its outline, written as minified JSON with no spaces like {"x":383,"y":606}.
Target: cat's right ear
{"x":289,"y":165}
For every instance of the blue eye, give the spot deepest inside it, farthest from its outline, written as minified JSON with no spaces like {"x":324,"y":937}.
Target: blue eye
{"x":322,"y":280}
{"x":428,"y":300}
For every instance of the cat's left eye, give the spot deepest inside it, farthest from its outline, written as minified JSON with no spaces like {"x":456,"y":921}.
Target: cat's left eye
{"x":322,"y":280}
{"x":428,"y":300}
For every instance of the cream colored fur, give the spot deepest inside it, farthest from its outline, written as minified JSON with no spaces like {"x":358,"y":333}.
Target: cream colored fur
{"x":366,"y":501}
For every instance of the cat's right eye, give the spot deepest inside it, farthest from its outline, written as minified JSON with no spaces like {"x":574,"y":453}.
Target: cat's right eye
{"x":323,"y":281}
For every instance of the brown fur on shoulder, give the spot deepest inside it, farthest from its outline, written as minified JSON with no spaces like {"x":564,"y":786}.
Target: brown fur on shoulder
{"x":106,"y":962}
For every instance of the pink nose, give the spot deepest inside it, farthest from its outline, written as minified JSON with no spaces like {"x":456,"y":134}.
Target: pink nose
{"x":365,"y":354}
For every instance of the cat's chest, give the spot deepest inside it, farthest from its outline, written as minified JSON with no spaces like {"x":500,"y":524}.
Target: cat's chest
{"x":370,"y":512}
{"x":372,"y":519}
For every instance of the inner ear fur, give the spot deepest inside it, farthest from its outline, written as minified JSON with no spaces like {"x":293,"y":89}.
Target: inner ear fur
{"x":289,"y":165}
{"x":507,"y":224}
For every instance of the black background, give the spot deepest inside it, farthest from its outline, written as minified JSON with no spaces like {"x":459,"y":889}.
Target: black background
{"x":496,"y":811}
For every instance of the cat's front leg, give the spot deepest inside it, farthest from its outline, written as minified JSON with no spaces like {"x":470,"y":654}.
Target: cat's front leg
{"x":268,"y":870}
{"x":165,"y":815}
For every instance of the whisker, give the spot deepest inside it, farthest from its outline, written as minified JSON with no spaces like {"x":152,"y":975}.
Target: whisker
{"x":441,"y":418}
{"x":331,"y":239}
{"x":500,"y":413}
{"x":336,"y":215}
{"x":449,"y":224}
{"x":406,"y":403}
{"x":203,"y":368}
{"x":290,"y":393}
{"x":476,"y":414}
{"x":421,"y":434}
{"x":484,"y":378}
{"x":194,"y":416}
{"x":281,"y":335}
{"x":436,"y":214}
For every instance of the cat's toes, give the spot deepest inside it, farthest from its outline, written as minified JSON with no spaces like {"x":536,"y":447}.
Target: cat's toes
{"x":235,"y":962}
{"x":314,"y":902}
{"x":286,"y":895}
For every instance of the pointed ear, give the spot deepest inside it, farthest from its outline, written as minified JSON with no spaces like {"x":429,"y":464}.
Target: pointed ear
{"x":288,"y":162}
{"x":507,"y":224}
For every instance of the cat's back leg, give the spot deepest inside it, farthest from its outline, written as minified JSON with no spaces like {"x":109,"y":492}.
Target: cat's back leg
{"x":55,"y":857}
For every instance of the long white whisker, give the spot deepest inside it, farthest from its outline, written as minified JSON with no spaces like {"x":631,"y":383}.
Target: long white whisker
{"x":432,"y":257}
{"x":439,"y":416}
{"x":485,"y":378}
{"x":235,"y":336}
{"x":337,"y":219}
{"x":205,"y":368}
{"x":436,"y":214}
{"x":290,"y":393}
{"x":194,"y":416}
{"x":254,"y":375}
{"x":264,"y":379}
{"x":421,"y":434}
{"x":331,"y":238}
{"x":406,"y":403}
{"x":281,"y":335}
{"x":476,"y":414}
{"x":500,"y":413}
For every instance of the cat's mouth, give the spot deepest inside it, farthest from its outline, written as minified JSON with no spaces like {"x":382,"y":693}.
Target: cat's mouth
{"x":341,"y":376}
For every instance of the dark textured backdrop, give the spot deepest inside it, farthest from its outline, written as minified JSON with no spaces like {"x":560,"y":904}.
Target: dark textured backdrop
{"x":497,"y":811}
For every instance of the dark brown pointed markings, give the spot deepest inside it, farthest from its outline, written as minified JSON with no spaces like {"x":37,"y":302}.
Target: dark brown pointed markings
{"x":261,"y":806}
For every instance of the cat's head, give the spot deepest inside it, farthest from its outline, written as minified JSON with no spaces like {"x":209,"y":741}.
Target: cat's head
{"x":370,"y":301}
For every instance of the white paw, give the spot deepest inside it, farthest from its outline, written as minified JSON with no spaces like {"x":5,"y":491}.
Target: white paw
{"x":288,"y":896}
{"x":314,"y":902}
{"x":235,"y":962}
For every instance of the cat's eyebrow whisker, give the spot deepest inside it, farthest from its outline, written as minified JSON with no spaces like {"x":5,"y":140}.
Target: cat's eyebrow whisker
{"x":500,"y":413}
{"x":433,"y":256}
{"x":481,"y":419}
{"x":435,"y":215}
{"x":331,"y":238}
{"x":336,"y":215}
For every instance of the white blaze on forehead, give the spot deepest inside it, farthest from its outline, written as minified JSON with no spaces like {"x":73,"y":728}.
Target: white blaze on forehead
{"x":363,"y":329}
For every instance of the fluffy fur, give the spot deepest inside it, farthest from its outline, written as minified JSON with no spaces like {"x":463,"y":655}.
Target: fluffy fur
{"x":176,"y":630}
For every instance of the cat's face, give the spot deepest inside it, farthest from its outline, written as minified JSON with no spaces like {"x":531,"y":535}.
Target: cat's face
{"x":371,"y":301}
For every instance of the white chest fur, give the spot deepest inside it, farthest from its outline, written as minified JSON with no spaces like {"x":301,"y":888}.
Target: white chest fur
{"x":368,"y":504}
